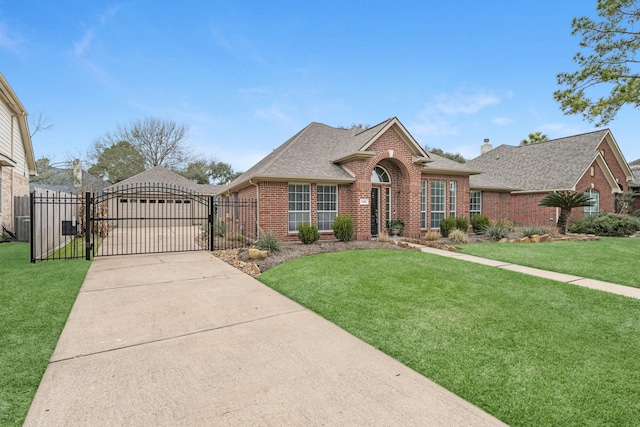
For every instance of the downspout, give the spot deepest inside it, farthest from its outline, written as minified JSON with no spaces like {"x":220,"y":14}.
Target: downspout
{"x":257,"y":208}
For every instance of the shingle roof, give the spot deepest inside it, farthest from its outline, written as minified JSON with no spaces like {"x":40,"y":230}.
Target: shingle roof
{"x":552,"y":165}
{"x":314,"y":151}
{"x":635,"y":169}
{"x":163,"y":176}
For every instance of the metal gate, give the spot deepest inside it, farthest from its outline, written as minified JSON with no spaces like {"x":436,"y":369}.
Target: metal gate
{"x":137,"y":219}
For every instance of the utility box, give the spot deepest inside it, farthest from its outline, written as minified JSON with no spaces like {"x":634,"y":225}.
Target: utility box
{"x":23,"y":228}
{"x":69,"y":228}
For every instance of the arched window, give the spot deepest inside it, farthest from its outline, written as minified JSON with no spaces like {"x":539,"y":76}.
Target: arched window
{"x":595,"y":199}
{"x":379,"y":174}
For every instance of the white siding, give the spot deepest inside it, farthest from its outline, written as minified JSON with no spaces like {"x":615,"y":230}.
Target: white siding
{"x":5,"y":130}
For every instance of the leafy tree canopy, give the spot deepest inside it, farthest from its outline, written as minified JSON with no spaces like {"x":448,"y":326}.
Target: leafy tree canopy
{"x":116,"y":162}
{"x":609,"y":63}
{"x":456,"y":157}
{"x":209,"y":171}
{"x":534,"y":138}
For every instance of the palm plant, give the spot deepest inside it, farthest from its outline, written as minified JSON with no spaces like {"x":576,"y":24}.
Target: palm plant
{"x":566,"y":201}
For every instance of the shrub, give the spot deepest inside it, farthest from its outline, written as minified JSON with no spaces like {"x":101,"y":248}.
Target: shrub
{"x":219,"y":227}
{"x":505,"y":223}
{"x":268,"y":242}
{"x":497,"y":231}
{"x":530,"y":230}
{"x":308,"y":233}
{"x":446,"y":225}
{"x":431,"y":236}
{"x":343,"y":228}
{"x":462,"y":223}
{"x":383,"y":236}
{"x":606,"y":224}
{"x":479,"y":223}
{"x":458,"y":236}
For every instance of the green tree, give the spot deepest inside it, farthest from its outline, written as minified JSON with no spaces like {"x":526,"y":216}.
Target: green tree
{"x":221,"y":172}
{"x":609,"y":63}
{"x":116,"y":162}
{"x":534,"y":138}
{"x":456,"y":157}
{"x":159,"y":142}
{"x":566,"y":201}
{"x":197,"y":172}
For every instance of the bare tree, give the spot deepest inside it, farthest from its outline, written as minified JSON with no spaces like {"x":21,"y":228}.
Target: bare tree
{"x":159,"y":142}
{"x":39,"y":123}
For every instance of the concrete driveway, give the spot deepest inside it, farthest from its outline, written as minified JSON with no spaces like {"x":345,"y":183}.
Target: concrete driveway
{"x":185,"y":339}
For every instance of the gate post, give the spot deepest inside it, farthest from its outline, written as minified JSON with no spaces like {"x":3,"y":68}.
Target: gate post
{"x":32,"y":220}
{"x":211,"y":219}
{"x":87,"y":226}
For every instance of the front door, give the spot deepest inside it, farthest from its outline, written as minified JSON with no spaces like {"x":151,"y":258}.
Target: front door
{"x":375,"y":215}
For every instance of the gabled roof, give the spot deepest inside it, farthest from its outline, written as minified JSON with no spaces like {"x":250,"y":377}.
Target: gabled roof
{"x":635,"y":169}
{"x":546,"y":166}
{"x":317,"y":153}
{"x":8,"y":96}
{"x":163,"y":176}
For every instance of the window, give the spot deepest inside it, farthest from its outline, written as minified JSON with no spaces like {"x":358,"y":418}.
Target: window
{"x":475,"y":203}
{"x":327,"y":203}
{"x":299,"y":206}
{"x":423,"y":204}
{"x":387,"y":192}
{"x":438,"y":198}
{"x":452,"y":198}
{"x":379,"y":174}
{"x":595,"y":199}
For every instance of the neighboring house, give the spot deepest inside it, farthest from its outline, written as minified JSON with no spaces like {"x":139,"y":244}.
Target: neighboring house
{"x":17,"y":162}
{"x":515,"y":178}
{"x":373,"y":175}
{"x":150,"y":194}
{"x":68,"y":180}
{"x":635,"y":185}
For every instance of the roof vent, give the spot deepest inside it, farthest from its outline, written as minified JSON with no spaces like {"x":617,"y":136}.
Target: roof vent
{"x":486,"y":147}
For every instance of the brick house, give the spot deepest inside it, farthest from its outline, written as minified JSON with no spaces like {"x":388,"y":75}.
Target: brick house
{"x":17,"y":161}
{"x":374,"y":175}
{"x":515,"y":178}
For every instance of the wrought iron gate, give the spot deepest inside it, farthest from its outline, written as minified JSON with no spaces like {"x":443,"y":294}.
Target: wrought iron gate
{"x":137,"y":219}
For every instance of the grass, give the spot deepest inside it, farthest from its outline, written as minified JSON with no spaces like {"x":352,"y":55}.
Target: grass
{"x":612,"y":259}
{"x":36,"y":301}
{"x":528,"y":350}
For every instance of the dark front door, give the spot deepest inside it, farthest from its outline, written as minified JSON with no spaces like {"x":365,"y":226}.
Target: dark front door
{"x":375,"y":216}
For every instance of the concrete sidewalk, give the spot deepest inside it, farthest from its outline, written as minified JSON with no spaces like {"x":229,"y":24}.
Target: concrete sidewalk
{"x":560,"y":277}
{"x":185,"y":339}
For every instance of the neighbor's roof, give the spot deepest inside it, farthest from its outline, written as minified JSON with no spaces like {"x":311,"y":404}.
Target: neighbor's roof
{"x":8,"y":96}
{"x":317,"y":151}
{"x":635,"y":168}
{"x":163,"y":176}
{"x":552,"y":165}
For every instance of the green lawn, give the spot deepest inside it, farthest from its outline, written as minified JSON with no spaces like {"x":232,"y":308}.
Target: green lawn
{"x":35,"y":301}
{"x":612,"y":259}
{"x":528,"y":350}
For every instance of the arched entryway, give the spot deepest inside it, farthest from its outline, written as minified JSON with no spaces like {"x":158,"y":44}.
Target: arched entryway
{"x":388,"y":184}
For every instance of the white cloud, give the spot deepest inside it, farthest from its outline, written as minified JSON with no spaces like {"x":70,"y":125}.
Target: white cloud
{"x":465,"y":103}
{"x":275,"y":114}
{"x":8,"y":41}
{"x":81,"y":46}
{"x":501,"y":121}
{"x":560,"y":130}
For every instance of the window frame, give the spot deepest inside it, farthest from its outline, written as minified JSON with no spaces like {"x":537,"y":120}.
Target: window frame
{"x":423,"y":204}
{"x":298,"y":203}
{"x":320,"y":209}
{"x":453,"y":196}
{"x":473,"y":195}
{"x":590,"y":211}
{"x":438,"y":192}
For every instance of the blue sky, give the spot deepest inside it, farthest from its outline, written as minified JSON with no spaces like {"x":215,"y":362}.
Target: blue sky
{"x":246,"y":76}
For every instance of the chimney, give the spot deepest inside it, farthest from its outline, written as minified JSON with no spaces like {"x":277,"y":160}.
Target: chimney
{"x":77,"y":174}
{"x":486,"y":147}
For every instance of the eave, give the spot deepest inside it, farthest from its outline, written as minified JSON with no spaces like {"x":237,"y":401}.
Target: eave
{"x":357,"y":155}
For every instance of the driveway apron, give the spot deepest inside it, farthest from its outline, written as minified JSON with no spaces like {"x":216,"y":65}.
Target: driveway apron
{"x":186,"y":339}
